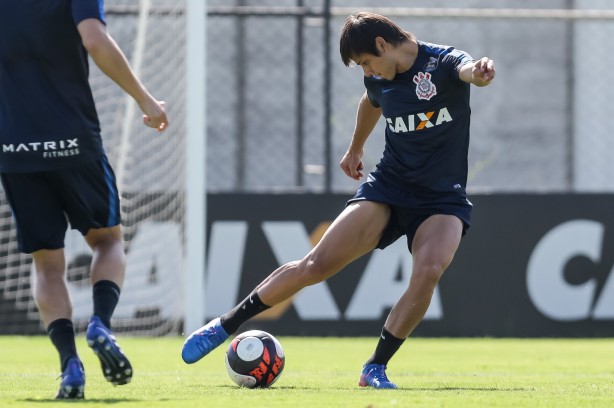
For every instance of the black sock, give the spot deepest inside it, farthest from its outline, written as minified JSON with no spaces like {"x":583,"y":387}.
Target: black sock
{"x":106,"y":296}
{"x":248,"y":308}
{"x":62,"y":335}
{"x":386,"y":347}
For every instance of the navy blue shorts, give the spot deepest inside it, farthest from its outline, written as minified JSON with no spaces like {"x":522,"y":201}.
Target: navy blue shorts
{"x":44,"y":203}
{"x":410,"y":207}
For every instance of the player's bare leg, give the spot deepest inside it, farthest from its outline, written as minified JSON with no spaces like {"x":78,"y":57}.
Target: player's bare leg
{"x":108,"y":257}
{"x":50,"y":292}
{"x":55,"y":309}
{"x":355,"y":232}
{"x":433,"y":249}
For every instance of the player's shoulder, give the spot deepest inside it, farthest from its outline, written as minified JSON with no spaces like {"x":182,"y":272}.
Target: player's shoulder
{"x":434,"y":49}
{"x":446,"y":54}
{"x":438,"y":50}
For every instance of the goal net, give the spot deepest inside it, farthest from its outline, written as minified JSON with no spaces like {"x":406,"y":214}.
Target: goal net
{"x":150,"y":169}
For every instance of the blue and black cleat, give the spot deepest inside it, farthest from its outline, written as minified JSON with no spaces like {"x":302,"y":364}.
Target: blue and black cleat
{"x":115,"y":365}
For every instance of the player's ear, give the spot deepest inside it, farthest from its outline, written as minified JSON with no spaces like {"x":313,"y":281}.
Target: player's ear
{"x":380,"y":45}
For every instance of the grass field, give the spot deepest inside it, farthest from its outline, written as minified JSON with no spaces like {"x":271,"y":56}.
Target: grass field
{"x":323,"y":372}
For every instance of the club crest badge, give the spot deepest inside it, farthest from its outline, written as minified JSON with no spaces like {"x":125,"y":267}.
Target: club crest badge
{"x":425,"y":89}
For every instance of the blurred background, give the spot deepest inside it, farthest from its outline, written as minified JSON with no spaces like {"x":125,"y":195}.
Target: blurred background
{"x":280,"y":110}
{"x":281,"y":105}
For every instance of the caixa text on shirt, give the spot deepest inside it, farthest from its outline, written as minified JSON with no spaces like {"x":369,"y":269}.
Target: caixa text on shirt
{"x":419,"y":121}
{"x":51,"y":149}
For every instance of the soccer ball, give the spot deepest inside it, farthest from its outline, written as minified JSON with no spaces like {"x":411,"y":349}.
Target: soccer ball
{"x":255,"y":359}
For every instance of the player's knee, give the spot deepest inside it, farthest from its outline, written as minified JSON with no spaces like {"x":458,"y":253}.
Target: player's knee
{"x":428,"y":274}
{"x":104,"y":237}
{"x":49,"y":264}
{"x":314,"y":271}
{"x":49,"y":273}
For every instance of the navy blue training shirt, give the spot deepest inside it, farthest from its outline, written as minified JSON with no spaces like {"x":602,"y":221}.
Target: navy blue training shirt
{"x":47,"y":115}
{"x":427,"y":115}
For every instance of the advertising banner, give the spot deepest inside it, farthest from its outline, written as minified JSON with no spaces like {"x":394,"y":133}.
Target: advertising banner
{"x":530,"y":266}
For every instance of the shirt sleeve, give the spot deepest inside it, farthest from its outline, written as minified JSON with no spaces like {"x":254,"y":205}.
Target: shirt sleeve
{"x":84,"y":9}
{"x":455,"y":59}
{"x":371,"y":94}
{"x":373,"y":99}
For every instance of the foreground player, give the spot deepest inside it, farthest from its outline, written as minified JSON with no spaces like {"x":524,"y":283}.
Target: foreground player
{"x":54,"y":169}
{"x":417,"y":189}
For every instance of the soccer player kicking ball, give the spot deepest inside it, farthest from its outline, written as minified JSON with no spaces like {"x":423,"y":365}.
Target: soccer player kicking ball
{"x":416,"y":190}
{"x":54,"y":169}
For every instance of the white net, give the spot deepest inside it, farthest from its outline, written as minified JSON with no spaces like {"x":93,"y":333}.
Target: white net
{"x":267,"y":121}
{"x":151,"y":178}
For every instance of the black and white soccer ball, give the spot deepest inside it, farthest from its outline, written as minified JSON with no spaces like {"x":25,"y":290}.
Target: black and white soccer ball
{"x":255,"y":359}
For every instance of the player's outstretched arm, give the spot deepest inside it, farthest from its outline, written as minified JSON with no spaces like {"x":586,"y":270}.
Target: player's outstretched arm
{"x":479,"y":73}
{"x":111,"y":60}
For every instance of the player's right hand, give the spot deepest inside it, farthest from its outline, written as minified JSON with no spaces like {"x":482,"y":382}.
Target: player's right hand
{"x":352,"y":165}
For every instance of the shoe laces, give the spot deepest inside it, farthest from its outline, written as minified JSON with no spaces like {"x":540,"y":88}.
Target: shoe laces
{"x":378,"y":372}
{"x":211,"y":336}
{"x":211,"y":332}
{"x":70,"y":370}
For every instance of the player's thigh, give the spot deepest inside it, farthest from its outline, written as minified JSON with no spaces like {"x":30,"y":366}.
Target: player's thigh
{"x":436,"y":241}
{"x":37,"y":210}
{"x":355,"y":232}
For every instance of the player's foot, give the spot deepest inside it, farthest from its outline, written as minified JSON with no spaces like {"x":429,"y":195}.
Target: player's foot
{"x":374,"y":375}
{"x":115,"y":365}
{"x":203,"y":341}
{"x":73,"y":380}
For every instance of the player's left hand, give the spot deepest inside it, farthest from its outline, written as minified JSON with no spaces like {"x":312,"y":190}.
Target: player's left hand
{"x":155,"y":115}
{"x":483,"y":71}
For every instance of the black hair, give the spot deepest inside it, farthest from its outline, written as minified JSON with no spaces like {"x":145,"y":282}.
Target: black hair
{"x":360,"y":30}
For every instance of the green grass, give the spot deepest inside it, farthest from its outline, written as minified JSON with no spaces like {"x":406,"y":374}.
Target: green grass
{"x":323,"y":372}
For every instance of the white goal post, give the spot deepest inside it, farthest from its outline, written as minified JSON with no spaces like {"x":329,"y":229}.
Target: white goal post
{"x":196,"y":153}
{"x":161,"y":178}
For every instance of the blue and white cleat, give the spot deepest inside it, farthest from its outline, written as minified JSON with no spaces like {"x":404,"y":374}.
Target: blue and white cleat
{"x":115,"y":365}
{"x":73,"y":381}
{"x":203,"y":341}
{"x":374,"y":375}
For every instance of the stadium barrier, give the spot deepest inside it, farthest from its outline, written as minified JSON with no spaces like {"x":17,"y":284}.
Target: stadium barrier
{"x":530,"y":266}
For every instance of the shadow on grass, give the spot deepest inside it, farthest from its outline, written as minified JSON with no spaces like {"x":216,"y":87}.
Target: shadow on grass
{"x":88,"y":400}
{"x":353,"y":388}
{"x":485,"y":389}
{"x":400,"y":389}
